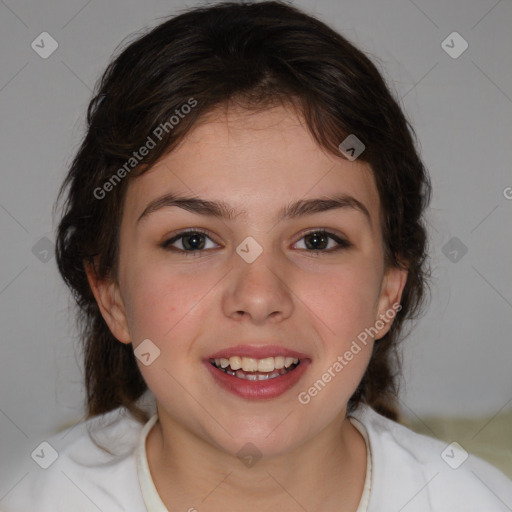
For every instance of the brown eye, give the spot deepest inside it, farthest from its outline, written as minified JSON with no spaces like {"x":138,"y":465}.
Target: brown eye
{"x":188,"y":242}
{"x":323,"y":241}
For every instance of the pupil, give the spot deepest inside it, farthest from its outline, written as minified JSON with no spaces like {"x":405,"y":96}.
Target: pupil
{"x":197,"y":241}
{"x":316,"y":237}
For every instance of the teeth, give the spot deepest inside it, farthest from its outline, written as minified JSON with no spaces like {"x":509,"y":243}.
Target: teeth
{"x":259,"y":376}
{"x":235,"y":362}
{"x":279,"y":362}
{"x":288,"y":361}
{"x":266,"y":365}
{"x":249,"y":364}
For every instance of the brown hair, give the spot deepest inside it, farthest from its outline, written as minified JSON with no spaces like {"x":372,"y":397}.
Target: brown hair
{"x":254,"y":54}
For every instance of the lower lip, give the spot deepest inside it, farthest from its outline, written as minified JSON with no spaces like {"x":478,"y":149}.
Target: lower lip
{"x":258,"y":389}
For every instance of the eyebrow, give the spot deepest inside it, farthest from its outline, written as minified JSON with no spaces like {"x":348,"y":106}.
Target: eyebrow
{"x":222,"y":210}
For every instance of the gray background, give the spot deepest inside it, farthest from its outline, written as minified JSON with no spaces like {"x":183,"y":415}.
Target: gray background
{"x":457,"y":360}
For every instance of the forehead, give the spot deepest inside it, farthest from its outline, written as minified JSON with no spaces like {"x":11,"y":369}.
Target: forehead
{"x":255,"y":161}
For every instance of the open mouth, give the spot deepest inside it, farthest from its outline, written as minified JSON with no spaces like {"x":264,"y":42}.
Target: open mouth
{"x":256,"y":369}
{"x":255,"y":372}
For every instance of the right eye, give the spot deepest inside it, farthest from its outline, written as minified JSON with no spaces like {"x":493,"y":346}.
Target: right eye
{"x":192,"y":241}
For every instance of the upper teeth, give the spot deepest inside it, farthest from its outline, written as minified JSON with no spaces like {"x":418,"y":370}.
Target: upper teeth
{"x":249,"y":364}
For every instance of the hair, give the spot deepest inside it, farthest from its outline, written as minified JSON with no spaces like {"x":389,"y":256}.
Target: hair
{"x":254,"y":55}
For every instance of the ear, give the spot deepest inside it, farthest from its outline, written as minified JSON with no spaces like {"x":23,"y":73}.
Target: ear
{"x":391,"y":289}
{"x":108,"y":297}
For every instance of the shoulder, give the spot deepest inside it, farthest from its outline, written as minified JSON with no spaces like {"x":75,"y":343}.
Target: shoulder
{"x":416,"y":472}
{"x":87,"y":467}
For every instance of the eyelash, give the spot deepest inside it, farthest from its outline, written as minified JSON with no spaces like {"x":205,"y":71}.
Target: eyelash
{"x":342,"y":244}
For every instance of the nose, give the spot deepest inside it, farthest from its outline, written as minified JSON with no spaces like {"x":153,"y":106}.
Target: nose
{"x":258,"y":291}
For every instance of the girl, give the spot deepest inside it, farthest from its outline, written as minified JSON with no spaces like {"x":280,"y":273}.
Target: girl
{"x":244,"y":235}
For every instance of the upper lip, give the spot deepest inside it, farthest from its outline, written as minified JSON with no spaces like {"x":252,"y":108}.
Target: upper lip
{"x":257,"y":352}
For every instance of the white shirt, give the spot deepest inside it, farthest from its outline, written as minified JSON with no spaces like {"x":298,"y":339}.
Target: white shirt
{"x":406,"y":472}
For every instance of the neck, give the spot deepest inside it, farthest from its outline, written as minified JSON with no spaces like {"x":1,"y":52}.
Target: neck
{"x":325,"y":473}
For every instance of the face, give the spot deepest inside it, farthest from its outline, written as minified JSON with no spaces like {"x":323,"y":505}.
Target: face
{"x":262,"y":280}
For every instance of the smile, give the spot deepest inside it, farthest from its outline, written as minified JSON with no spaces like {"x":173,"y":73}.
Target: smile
{"x":252,"y":369}
{"x":256,"y":372}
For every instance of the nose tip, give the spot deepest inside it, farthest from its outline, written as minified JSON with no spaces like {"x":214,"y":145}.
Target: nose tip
{"x":256,"y":290}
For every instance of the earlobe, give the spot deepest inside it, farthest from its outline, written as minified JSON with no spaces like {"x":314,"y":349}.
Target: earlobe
{"x":392,"y":288}
{"x":108,"y":297}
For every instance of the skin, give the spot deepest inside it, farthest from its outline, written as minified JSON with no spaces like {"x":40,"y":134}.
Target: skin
{"x":191,"y":306}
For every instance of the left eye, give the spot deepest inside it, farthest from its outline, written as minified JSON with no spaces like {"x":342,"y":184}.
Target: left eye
{"x":318,"y":240}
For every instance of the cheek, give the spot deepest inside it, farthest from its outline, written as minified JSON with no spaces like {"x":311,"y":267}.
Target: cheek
{"x":343,"y":304}
{"x":158,"y":303}
{"x":163,"y":311}
{"x":170,"y":306}
{"x":151,"y":293}
{"x":343,"y":299}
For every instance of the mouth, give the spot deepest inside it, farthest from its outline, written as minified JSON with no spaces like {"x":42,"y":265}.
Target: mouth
{"x":249,"y":368}
{"x":257,"y":372}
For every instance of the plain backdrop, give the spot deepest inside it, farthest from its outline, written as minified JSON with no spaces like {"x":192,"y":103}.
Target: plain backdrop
{"x":457,"y":361}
